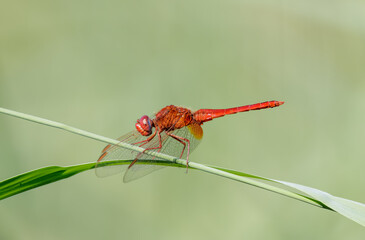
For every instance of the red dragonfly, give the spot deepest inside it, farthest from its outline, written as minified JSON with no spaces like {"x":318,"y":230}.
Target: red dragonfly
{"x":174,"y":131}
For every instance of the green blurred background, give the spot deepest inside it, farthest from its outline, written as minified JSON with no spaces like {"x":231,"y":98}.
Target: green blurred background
{"x":99,"y":65}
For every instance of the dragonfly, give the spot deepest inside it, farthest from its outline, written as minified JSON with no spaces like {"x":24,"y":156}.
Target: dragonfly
{"x":175,"y":131}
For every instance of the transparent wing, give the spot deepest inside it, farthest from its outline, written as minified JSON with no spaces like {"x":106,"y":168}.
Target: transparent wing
{"x":170,"y":146}
{"x":115,"y":152}
{"x":175,"y":148}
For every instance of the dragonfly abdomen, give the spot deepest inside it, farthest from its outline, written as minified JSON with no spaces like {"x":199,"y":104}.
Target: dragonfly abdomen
{"x":204,"y":115}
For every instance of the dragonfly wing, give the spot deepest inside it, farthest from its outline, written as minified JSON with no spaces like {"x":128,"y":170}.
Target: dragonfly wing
{"x":115,"y":152}
{"x":173,"y":147}
{"x":138,"y":171}
{"x":170,"y":146}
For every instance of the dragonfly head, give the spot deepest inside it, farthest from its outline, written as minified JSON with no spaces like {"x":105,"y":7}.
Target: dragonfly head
{"x":144,"y":125}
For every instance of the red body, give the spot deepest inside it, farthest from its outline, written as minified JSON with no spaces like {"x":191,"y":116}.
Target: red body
{"x":172,"y":117}
{"x":169,"y":123}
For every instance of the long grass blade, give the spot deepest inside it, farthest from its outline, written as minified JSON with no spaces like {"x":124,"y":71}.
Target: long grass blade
{"x":33,"y":179}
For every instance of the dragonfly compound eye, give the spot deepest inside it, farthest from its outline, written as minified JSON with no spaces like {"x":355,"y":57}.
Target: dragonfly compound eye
{"x":144,"y":125}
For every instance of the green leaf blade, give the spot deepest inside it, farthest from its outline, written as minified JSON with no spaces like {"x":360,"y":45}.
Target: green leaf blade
{"x":24,"y":182}
{"x":348,"y":208}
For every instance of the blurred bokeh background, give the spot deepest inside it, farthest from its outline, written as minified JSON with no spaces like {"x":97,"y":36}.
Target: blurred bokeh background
{"x":99,"y":65}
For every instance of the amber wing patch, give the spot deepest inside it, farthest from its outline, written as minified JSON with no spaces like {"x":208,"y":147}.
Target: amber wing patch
{"x":196,"y":130}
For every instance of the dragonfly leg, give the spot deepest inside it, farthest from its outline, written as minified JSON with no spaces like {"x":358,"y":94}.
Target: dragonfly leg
{"x":149,"y":139}
{"x":181,"y":140}
{"x":146,"y":140}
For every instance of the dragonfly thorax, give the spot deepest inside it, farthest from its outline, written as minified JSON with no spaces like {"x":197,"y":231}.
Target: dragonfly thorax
{"x":144,"y":125}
